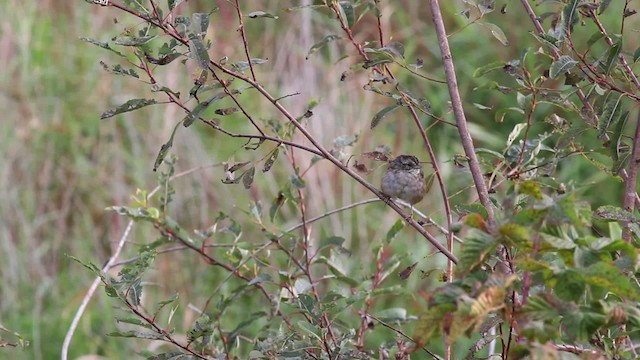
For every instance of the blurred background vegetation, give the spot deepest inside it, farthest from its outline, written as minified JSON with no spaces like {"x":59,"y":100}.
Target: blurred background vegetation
{"x":62,"y":165}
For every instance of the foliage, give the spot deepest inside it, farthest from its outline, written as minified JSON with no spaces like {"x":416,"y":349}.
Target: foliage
{"x":548,"y":267}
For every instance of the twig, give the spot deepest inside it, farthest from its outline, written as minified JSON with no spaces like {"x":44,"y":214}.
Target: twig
{"x":92,"y":289}
{"x":632,"y":180}
{"x":244,"y":40}
{"x":110,"y":263}
{"x":399,"y":332}
{"x":456,"y":103}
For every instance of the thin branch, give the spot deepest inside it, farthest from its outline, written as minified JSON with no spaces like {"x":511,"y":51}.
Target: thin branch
{"x":399,"y":332}
{"x":632,"y":180}
{"x":456,"y":103}
{"x":92,"y":289}
{"x":244,"y":40}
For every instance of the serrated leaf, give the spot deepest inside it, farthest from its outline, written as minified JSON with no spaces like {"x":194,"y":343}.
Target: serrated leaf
{"x":497,"y":33}
{"x":261,"y":14}
{"x":199,"y":52}
{"x":134,"y":41}
{"x":382,"y":113}
{"x":130,"y":105}
{"x":561,"y":66}
{"x":322,"y":43}
{"x":477,"y":245}
{"x":347,"y":13}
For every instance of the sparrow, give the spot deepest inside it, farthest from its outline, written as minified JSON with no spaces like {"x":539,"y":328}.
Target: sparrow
{"x":404,"y":179}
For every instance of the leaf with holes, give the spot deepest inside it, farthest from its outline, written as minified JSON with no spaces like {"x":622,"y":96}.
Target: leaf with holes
{"x":199,"y":51}
{"x":130,"y":105}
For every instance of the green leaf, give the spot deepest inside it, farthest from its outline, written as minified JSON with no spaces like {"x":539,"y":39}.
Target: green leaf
{"x":104,"y":45}
{"x":199,"y":52}
{"x":393,"y":314}
{"x":561,"y":66}
{"x":636,"y":55}
{"x":322,"y":43}
{"x":200,"y":108}
{"x":130,"y":105}
{"x":570,"y":15}
{"x":261,"y":14}
{"x":336,"y":241}
{"x":247,"y":178}
{"x":581,"y":324}
{"x":483,"y":70}
{"x":395,"y":49}
{"x":199,"y":24}
{"x":609,"y":116}
{"x":173,"y":3}
{"x":134,"y":41}
{"x":616,"y":136}
{"x":603,"y":6}
{"x":271,"y":160}
{"x":119,"y":70}
{"x":612,"y":56}
{"x":347,"y":13}
{"x":137,"y":334}
{"x":345,"y":140}
{"x":496,"y":32}
{"x":501,"y":113}
{"x":477,"y":246}
{"x":203,"y":326}
{"x":164,"y":149}
{"x":613,"y":213}
{"x":382,"y":113}
{"x":241,"y":66}
{"x":515,"y":133}
{"x":570,"y":285}
{"x":394,"y":230}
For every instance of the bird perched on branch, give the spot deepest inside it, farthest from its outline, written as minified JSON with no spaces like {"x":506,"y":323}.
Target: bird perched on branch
{"x":404,"y":179}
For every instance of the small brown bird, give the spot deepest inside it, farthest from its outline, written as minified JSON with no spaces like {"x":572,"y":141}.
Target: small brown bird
{"x":404,"y":179}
